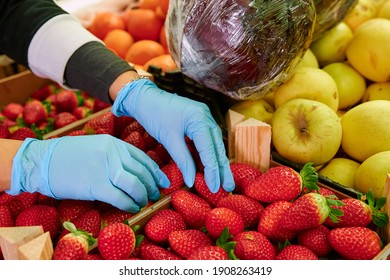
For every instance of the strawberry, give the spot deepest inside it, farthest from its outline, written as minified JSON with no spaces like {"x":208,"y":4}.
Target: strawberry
{"x":93,"y":257}
{"x":116,"y":241}
{"x":77,"y":132}
{"x":6,"y":219}
{"x":135,"y":138}
{"x":203,"y":190}
{"x":4,"y":132}
{"x":89,"y":221}
{"x":81,"y":112}
{"x":208,"y":253}
{"x":357,"y":212}
{"x":154,"y":156}
{"x":296,"y":252}
{"x":140,"y":242}
{"x":70,"y":209}
{"x":252,"y":245}
{"x":67,"y":101}
{"x":149,"y":140}
{"x":184,"y":242}
{"x":316,"y":239}
{"x":162,"y":153}
{"x":241,"y":171}
{"x":155,"y":252}
{"x":17,"y":203}
{"x":248,"y":208}
{"x":195,"y":154}
{"x":74,"y":245}
{"x":35,"y":112}
{"x":13,"y":111}
{"x":47,"y":200}
{"x":45,"y":91}
{"x":219,"y":218}
{"x":101,"y":124}
{"x":281,"y":183}
{"x":21,"y":133}
{"x":62,"y":119}
{"x":40,"y":215}
{"x":355,"y":243}
{"x":120,"y":123}
{"x":308,"y":211}
{"x":162,"y":224}
{"x":99,"y":105}
{"x":175,"y":177}
{"x":132,"y":126}
{"x":114,"y":215}
{"x":192,"y":208}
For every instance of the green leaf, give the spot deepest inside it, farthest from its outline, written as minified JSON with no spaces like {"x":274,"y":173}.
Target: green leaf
{"x":309,"y":177}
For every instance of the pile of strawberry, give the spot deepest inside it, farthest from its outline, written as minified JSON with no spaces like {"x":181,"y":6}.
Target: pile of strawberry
{"x":48,"y":108}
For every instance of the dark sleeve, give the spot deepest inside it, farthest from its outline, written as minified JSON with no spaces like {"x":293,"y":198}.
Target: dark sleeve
{"x":19,"y":20}
{"x":84,"y":71}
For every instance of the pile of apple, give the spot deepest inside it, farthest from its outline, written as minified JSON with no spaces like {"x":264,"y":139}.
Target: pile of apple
{"x":335,"y":109}
{"x":48,"y":108}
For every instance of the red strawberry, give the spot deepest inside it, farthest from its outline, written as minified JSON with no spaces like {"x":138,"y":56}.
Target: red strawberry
{"x":241,"y":171}
{"x":195,"y":154}
{"x":13,"y":111}
{"x":149,"y":140}
{"x":135,"y":138}
{"x":248,"y":208}
{"x":66,"y":101}
{"x":132,"y":126}
{"x":120,"y":123}
{"x":155,"y":252}
{"x":219,"y":218}
{"x":208,"y":253}
{"x":4,"y":132}
{"x":17,"y":203}
{"x":34,"y":112}
{"x":203,"y":190}
{"x":308,"y":211}
{"x":355,"y":243}
{"x":162,"y":224}
{"x":89,"y":221}
{"x":192,"y":208}
{"x":21,"y":133}
{"x":139,"y":244}
{"x":281,"y":183}
{"x":269,"y":222}
{"x":154,"y":156}
{"x":175,"y":177}
{"x":316,"y":239}
{"x":162,"y":153}
{"x":184,"y":242}
{"x":6,"y":219}
{"x":252,"y":245}
{"x":74,"y":245}
{"x":40,"y":215}
{"x":62,"y":119}
{"x":45,"y":91}
{"x":114,"y":215}
{"x":47,"y":200}
{"x":81,"y":112}
{"x":116,"y":241}
{"x":296,"y":252}
{"x":101,"y":124}
{"x":93,"y":257}
{"x":70,"y":209}
{"x":99,"y":105}
{"x":78,"y":132}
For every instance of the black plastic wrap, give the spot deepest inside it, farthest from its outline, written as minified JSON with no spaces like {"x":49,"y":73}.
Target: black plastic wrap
{"x":329,"y":14}
{"x":241,"y":48}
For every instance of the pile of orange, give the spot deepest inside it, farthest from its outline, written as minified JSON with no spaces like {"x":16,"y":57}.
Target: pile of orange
{"x":137,"y":34}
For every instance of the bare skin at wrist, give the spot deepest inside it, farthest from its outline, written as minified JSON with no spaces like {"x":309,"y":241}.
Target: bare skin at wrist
{"x":8,"y":150}
{"x":119,"y":82}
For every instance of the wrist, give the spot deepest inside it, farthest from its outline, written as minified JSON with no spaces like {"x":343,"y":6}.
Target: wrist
{"x":121,"y":81}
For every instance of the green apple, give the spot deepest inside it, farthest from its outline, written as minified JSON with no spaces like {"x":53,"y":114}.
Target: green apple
{"x":309,"y":83}
{"x":372,"y":173}
{"x":305,"y":130}
{"x":341,"y":170}
{"x":331,"y":47}
{"x":366,"y":129}
{"x":258,"y":109}
{"x":351,"y":84}
{"x":377,"y":91}
{"x":309,"y":60}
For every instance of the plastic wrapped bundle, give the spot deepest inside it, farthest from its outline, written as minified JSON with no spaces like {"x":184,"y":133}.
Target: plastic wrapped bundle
{"x":329,"y":14}
{"x":242,"y":48}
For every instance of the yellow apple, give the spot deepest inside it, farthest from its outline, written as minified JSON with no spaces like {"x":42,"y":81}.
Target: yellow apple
{"x":341,"y":170}
{"x":258,"y":109}
{"x":309,"y":60}
{"x":351,"y":84}
{"x":378,"y":4}
{"x":384,"y":11}
{"x":377,"y":91}
{"x":368,"y":51}
{"x":372,"y":173}
{"x":305,"y":130}
{"x":331,"y":47}
{"x":364,"y":10}
{"x":309,"y":83}
{"x":366,"y":129}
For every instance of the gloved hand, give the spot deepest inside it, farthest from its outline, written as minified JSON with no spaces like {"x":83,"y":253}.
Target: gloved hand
{"x":169,"y":118}
{"x":93,"y":167}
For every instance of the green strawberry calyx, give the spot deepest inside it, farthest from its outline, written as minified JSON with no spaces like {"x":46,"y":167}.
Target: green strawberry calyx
{"x":228,"y":246}
{"x":78,"y":232}
{"x":379,"y":218}
{"x":334,"y":213}
{"x":309,"y":177}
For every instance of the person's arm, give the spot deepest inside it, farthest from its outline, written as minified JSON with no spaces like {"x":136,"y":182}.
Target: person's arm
{"x":8,"y":149}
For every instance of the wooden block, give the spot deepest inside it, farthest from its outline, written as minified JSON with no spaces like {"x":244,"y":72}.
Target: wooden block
{"x":39,"y":248}
{"x":233,"y":118}
{"x":13,"y":237}
{"x":253,"y":143}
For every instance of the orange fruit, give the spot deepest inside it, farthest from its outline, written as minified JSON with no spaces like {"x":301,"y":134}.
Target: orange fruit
{"x":164,"y":61}
{"x":104,"y":22}
{"x":119,"y":40}
{"x":164,"y":6}
{"x":149,"y":4}
{"x":163,"y":39}
{"x":142,"y":51}
{"x":143,"y":24}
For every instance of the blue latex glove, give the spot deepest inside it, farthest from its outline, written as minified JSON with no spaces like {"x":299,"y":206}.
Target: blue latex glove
{"x":93,"y":167}
{"x":169,"y":118}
